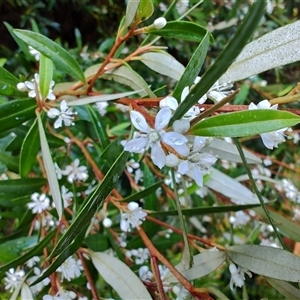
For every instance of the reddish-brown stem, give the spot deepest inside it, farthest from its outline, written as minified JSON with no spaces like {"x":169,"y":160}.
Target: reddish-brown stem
{"x":156,"y":272}
{"x":88,"y":276}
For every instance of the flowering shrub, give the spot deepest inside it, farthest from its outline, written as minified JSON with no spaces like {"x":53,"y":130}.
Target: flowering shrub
{"x":128,"y":187}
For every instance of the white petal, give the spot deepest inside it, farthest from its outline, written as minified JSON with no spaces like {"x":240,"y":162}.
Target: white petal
{"x":136,"y":145}
{"x":268,"y":141}
{"x":181,"y":126}
{"x":183,"y":167}
{"x":184,"y":93}
{"x":174,"y":138}
{"x":63,"y":106}
{"x":32,"y":94}
{"x":58,"y":123}
{"x":162,"y":119}
{"x":252,"y":106}
{"x":169,"y":101}
{"x":264,"y":104}
{"x":199,"y":143}
{"x":198,"y":176}
{"x":182,"y":149}
{"x":139,"y":121}
{"x":158,"y":156}
{"x":53,"y":112}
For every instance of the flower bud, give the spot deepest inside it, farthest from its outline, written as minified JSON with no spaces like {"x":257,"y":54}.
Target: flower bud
{"x":172,"y":160}
{"x":21,"y":86}
{"x":107,"y":222}
{"x":159,"y":23}
{"x":181,"y":126}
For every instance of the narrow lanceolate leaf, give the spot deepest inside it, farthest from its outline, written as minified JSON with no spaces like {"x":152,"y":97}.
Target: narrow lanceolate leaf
{"x":119,"y":276}
{"x":285,"y":289}
{"x":60,"y":57}
{"x":101,"y":98}
{"x":144,"y":11}
{"x":29,"y":150}
{"x":131,"y":8}
{"x":267,"y":261}
{"x":229,"y":187}
{"x":92,"y":204}
{"x":127,"y":76}
{"x":228,"y":151}
{"x":46,"y":73}
{"x":50,"y":170}
{"x":181,"y":30}
{"x":8,"y":78}
{"x":204,"y":264}
{"x":14,"y":113}
{"x":193,"y":68}
{"x":245,"y":123}
{"x":163,"y":63}
{"x":225,"y":59}
{"x":276,"y":48}
{"x":10,"y":161}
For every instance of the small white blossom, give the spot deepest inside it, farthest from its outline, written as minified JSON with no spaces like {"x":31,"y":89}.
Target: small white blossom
{"x":152,"y":138}
{"x":61,"y":295}
{"x":40,"y":202}
{"x":159,"y":23}
{"x":180,"y":292}
{"x":237,"y":275}
{"x":33,"y":86}
{"x":273,"y":138}
{"x":145,"y":274}
{"x":75,"y":172}
{"x":13,"y":278}
{"x":65,"y":115}
{"x":101,"y":107}
{"x":58,"y":171}
{"x":32,"y":261}
{"x":36,"y":54}
{"x":197,"y":162}
{"x":182,"y":6}
{"x":66,"y":195}
{"x":70,"y":269}
{"x":39,"y":286}
{"x":140,"y":255}
{"x":133,"y":217}
{"x":239,"y":219}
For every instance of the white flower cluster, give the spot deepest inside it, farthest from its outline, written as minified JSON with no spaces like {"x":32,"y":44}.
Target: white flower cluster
{"x":140,"y":255}
{"x":73,"y":171}
{"x":188,"y":158}
{"x":133,"y":217}
{"x":273,"y":138}
{"x":237,"y":275}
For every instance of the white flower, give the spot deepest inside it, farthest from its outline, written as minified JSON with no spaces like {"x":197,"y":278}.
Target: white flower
{"x":39,"y":203}
{"x":70,"y":269}
{"x":152,"y":138}
{"x":32,"y":261}
{"x":159,"y":23}
{"x":182,"y":6}
{"x":180,"y":292}
{"x":65,"y":115}
{"x":66,"y":195}
{"x":145,"y":274}
{"x":141,"y":255}
{"x":273,"y":138}
{"x":61,"y":295}
{"x":197,"y":162}
{"x":101,"y":107}
{"x":13,"y":279}
{"x":74,"y":172}
{"x":33,"y":86}
{"x":237,"y":276}
{"x":239,"y":219}
{"x":133,"y":217}
{"x":39,"y":286}
{"x":36,"y":54}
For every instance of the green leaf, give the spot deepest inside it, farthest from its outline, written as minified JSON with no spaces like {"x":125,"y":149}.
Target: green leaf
{"x":181,"y":30}
{"x":14,"y":113}
{"x":60,"y":57}
{"x":285,"y":289}
{"x":11,"y":162}
{"x":258,"y":56}
{"x":286,"y":227}
{"x":267,"y":261}
{"x":93,"y":203}
{"x":245,"y":123}
{"x":144,"y":11}
{"x":50,"y":170}
{"x":36,"y":250}
{"x":21,"y":187}
{"x":193,"y":68}
{"x":13,"y":249}
{"x":163,"y":63}
{"x":204,"y":264}
{"x":7,"y":78}
{"x":147,"y":191}
{"x":195,"y":211}
{"x":225,"y":59}
{"x":119,"y":276}
{"x":131,"y":9}
{"x":97,"y":242}
{"x":46,"y":74}
{"x":127,"y":76}
{"x":29,"y":150}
